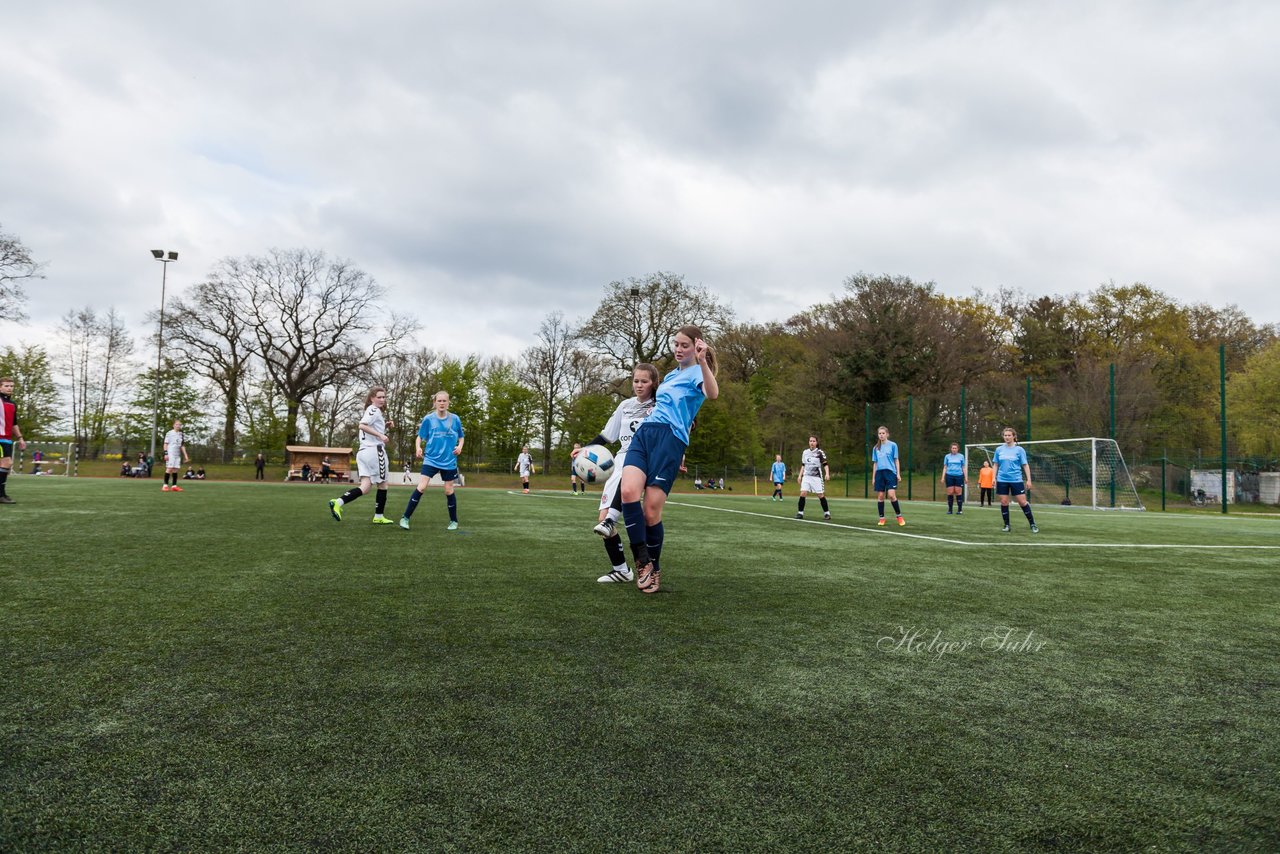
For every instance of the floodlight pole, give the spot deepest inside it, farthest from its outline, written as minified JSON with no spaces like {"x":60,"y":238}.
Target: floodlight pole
{"x":164,"y":258}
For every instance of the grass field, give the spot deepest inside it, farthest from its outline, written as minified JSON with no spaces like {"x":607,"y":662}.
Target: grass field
{"x":230,"y":668}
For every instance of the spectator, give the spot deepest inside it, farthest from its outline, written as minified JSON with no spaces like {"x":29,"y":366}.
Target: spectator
{"x":306,"y":472}
{"x":200,"y":473}
{"x":125,"y":471}
{"x":259,"y":467}
{"x":189,"y":474}
{"x":325,"y":470}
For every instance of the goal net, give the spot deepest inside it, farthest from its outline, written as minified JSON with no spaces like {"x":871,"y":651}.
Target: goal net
{"x":1086,"y":472}
{"x":46,"y":458}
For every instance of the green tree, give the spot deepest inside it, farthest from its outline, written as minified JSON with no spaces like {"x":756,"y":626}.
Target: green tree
{"x":179,"y":399}
{"x":510,"y":412}
{"x":35,"y":393}
{"x":1253,"y":403}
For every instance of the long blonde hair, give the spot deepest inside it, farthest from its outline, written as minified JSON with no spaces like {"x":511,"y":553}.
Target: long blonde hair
{"x":693,"y":333}
{"x":880,"y":441}
{"x":368,"y":398}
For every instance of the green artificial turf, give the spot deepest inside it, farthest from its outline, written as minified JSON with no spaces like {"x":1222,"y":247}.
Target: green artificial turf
{"x":229,"y":668}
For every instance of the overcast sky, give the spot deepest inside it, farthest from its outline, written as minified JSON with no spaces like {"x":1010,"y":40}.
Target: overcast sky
{"x":489,"y":162}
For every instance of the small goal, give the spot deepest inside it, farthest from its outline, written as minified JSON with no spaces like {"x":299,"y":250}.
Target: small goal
{"x":1088,"y":472}
{"x":46,"y":458}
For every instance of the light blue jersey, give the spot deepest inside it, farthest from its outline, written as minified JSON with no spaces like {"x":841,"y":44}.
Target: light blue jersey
{"x":779,"y":472}
{"x":1009,"y":462}
{"x":886,"y":456}
{"x":439,"y":437}
{"x":679,"y":398}
{"x":953,"y":464}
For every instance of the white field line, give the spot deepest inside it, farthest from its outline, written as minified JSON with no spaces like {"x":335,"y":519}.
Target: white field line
{"x":895,"y":532}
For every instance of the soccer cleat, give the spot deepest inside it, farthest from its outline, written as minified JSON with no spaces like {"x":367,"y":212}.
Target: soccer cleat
{"x":902,"y":523}
{"x":948,"y":512}
{"x":1005,"y":529}
{"x":1035,"y":529}
{"x":655,"y":578}
{"x":826,"y":516}
{"x":453,"y":526}
{"x":799,"y":515}
{"x":607,"y":529}
{"x":164,"y":488}
{"x":643,"y":574}
{"x":960,"y":512}
{"x":404,"y":522}
{"x":624,"y":574}
{"x":335,"y":509}
{"x":175,"y":488}
{"x":382,"y":520}
{"x":881,"y":522}
{"x":4,"y":499}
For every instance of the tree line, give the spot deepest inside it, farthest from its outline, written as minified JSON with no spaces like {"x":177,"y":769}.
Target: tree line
{"x":277,"y":349}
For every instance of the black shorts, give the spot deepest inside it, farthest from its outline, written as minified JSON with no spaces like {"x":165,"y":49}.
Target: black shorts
{"x":955,"y":480}
{"x":446,"y":475}
{"x":1003,"y":488}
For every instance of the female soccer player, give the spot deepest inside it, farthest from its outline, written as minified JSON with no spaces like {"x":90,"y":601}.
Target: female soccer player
{"x":888,"y":472}
{"x":622,"y":428}
{"x":1013,"y":477}
{"x":175,"y":445}
{"x":11,"y":434}
{"x":657,"y":449}
{"x":954,"y":478}
{"x":814,"y":474}
{"x":442,"y":433}
{"x":986,"y":484}
{"x":573,"y":475}
{"x":524,"y":465}
{"x":371,"y":459}
{"x":778,"y":472}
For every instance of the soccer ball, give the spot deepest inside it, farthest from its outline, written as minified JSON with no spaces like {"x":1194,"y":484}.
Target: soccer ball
{"x":594,"y":462}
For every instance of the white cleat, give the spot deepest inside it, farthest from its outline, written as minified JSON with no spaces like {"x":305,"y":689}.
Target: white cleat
{"x":624,"y":574}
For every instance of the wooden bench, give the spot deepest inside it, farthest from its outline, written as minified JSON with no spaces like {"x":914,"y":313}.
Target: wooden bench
{"x":335,"y":474}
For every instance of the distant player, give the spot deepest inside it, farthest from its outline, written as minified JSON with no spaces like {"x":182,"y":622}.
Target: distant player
{"x":778,"y":473}
{"x":10,"y":434}
{"x":175,"y":446}
{"x":1013,"y":477}
{"x":657,"y":450}
{"x":573,"y":475}
{"x":814,"y":474}
{"x":439,"y":442}
{"x":954,"y":478}
{"x":986,"y":485}
{"x":524,"y":465}
{"x":371,"y":459}
{"x":888,"y":472}
{"x":622,"y":426}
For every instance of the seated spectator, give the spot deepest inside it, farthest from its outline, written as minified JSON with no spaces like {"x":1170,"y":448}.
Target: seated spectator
{"x":711,"y":483}
{"x":697,"y":483}
{"x":200,"y":473}
{"x":125,"y":471}
{"x":306,"y":471}
{"x":325,"y":471}
{"x":189,"y":474}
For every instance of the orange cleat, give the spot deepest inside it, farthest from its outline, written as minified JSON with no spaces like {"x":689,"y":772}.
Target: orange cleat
{"x":881,"y":522}
{"x":175,"y":489}
{"x":902,"y":522}
{"x":654,"y":579}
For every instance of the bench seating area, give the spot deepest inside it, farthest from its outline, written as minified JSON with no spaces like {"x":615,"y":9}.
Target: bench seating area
{"x":335,"y":474}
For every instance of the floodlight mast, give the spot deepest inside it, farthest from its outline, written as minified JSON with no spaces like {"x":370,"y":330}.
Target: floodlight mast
{"x":164,"y":258}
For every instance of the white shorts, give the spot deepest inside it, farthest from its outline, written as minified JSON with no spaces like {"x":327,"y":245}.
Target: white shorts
{"x":813,"y":484}
{"x":525,"y":472}
{"x":614,"y":483}
{"x":173,"y":457}
{"x":372,"y":463}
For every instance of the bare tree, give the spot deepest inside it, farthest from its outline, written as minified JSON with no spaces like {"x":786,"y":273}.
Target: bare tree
{"x":16,"y":266}
{"x":209,"y":334}
{"x":547,"y":368}
{"x":95,"y":357}
{"x":636,"y":319}
{"x":312,"y":321}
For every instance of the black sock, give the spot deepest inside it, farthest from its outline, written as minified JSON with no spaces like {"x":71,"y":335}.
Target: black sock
{"x":653,"y":542}
{"x":897,"y":511}
{"x":351,"y":495}
{"x":613,"y":548}
{"x":959,"y":502}
{"x":413,"y":503}
{"x":1004,"y":514}
{"x":380,"y":501}
{"x":800,"y":505}
{"x":4,"y":479}
{"x":880,"y":507}
{"x":823,"y":501}
{"x":951,"y":502}
{"x":1026,"y":511}
{"x":633,"y":514}
{"x":452,"y":501}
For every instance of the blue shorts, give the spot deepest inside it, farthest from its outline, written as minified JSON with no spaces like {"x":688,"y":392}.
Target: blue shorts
{"x":446,"y":475}
{"x":886,"y":479}
{"x":954,"y":480}
{"x":1005,"y":488}
{"x":657,"y":452}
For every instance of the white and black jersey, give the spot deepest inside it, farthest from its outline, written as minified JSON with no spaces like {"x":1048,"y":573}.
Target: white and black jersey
{"x":813,"y":462}
{"x":374,"y":418}
{"x":626,"y":418}
{"x":525,"y":464}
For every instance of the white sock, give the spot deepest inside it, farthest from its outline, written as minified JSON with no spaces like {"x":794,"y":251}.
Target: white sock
{"x":614,"y":515}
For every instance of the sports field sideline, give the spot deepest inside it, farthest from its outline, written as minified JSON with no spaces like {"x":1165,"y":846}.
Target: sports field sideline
{"x":229,"y":667}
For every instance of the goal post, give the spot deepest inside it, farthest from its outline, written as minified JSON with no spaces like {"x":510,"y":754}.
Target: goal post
{"x":1087,"y":472}
{"x":46,"y":458}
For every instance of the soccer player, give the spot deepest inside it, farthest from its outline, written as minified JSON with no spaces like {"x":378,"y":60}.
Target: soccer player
{"x":1013,"y":477}
{"x":888,"y":472}
{"x":371,"y":459}
{"x":10,"y":434}
{"x":657,"y":450}
{"x":986,"y":484}
{"x":954,"y":478}
{"x":814,"y":474}
{"x":174,"y":447}
{"x":573,"y":475}
{"x":442,"y":433}
{"x":524,"y":465}
{"x":778,"y":473}
{"x":621,"y":428}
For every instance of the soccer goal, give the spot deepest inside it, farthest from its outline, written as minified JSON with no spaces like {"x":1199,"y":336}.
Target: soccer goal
{"x":1086,"y":472}
{"x":46,"y":458}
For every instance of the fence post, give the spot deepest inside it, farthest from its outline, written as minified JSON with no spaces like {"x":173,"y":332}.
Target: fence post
{"x":1028,"y":409}
{"x":1222,"y":380}
{"x":1113,"y":431}
{"x":963,"y":422}
{"x":910,"y":426}
{"x":1164,"y":462}
{"x":866,"y":456}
